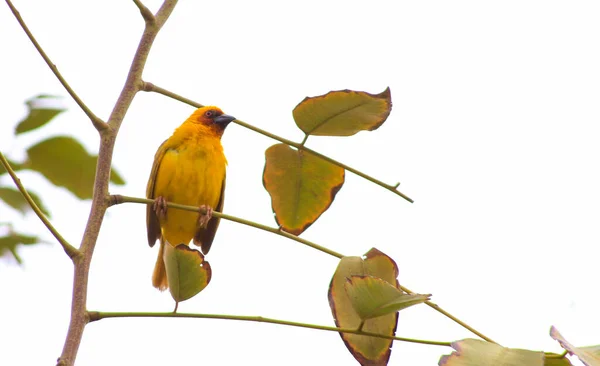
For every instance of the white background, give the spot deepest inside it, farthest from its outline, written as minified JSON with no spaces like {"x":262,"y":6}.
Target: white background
{"x":493,"y":133}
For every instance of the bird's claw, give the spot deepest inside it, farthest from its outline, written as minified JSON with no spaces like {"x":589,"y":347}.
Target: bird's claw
{"x":160,"y":207}
{"x":205,"y":217}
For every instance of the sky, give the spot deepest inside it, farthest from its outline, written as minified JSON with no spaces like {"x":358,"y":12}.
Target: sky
{"x":493,"y":133}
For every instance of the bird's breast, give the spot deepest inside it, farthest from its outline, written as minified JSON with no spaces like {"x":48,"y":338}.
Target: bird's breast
{"x":191,"y":174}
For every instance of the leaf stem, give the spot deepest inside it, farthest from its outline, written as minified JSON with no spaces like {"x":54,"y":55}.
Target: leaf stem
{"x":437,"y":308}
{"x":361,"y":325}
{"x":96,"y":121}
{"x":71,"y":251}
{"x":304,"y":139}
{"x":97,"y":315}
{"x":149,"y":87}
{"x":118,"y":199}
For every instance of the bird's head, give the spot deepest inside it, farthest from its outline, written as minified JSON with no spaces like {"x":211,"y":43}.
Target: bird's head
{"x":212,"y":117}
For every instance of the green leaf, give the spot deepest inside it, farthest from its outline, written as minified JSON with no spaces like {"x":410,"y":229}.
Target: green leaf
{"x":9,"y":243}
{"x":475,"y":352}
{"x":590,"y":356}
{"x":372,"y":297}
{"x":302,"y":186}
{"x":367,"y":350}
{"x":15,"y":199}
{"x":39,"y":114}
{"x":66,"y":163}
{"x":343,"y":112}
{"x":187,"y":271}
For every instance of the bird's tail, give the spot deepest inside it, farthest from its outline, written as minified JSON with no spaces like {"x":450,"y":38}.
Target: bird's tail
{"x":159,"y":277}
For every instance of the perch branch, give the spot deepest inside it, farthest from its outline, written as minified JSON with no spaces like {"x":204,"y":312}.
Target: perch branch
{"x":118,"y":199}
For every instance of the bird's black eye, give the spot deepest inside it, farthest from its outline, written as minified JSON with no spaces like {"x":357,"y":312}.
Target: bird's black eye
{"x":209,"y":114}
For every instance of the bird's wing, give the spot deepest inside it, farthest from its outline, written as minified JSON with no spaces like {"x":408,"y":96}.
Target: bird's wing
{"x":152,"y":224}
{"x":205,"y":236}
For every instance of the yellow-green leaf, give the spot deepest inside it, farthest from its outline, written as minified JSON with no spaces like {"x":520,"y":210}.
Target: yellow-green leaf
{"x":556,"y":360}
{"x":66,"y":163}
{"x":40,"y":113}
{"x":15,"y":199}
{"x":367,"y":350}
{"x":475,"y":352}
{"x":187,"y":271}
{"x":302,"y":186}
{"x":372,"y":297}
{"x":590,"y":356}
{"x":9,"y":243}
{"x":343,"y":112}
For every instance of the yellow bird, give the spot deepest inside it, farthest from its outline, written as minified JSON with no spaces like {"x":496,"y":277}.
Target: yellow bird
{"x":188,"y":169}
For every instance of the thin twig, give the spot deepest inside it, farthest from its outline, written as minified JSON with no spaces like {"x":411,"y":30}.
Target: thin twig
{"x":146,"y":13}
{"x":437,"y":308}
{"x":71,"y":251}
{"x":96,"y":121}
{"x":97,"y":315}
{"x":149,"y":87}
{"x":118,"y":199}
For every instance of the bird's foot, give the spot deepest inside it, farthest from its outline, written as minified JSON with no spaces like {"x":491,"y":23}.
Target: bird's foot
{"x":160,"y":207}
{"x":205,"y":217}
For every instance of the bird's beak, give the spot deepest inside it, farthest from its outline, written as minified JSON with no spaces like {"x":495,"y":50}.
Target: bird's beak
{"x":223,"y":119}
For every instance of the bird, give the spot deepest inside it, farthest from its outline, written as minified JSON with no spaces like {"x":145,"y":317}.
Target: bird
{"x":189,"y":169}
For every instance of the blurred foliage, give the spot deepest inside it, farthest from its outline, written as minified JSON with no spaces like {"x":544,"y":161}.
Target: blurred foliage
{"x":61,"y":159}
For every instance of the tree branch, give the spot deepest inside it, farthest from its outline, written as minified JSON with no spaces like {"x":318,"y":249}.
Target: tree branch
{"x":118,"y":199}
{"x":97,"y":315}
{"x":71,"y":251}
{"x":149,"y":87}
{"x":96,"y":121}
{"x":79,"y":315}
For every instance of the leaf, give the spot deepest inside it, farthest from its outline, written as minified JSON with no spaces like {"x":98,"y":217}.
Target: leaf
{"x":475,"y":352}
{"x":40,"y":113}
{"x":66,"y":163}
{"x":367,"y":350}
{"x":187,"y":271}
{"x":15,"y":199}
{"x":590,"y":356}
{"x":8,"y":244}
{"x":372,"y":297}
{"x":301,"y":185}
{"x":343,"y":112}
{"x":556,"y":360}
